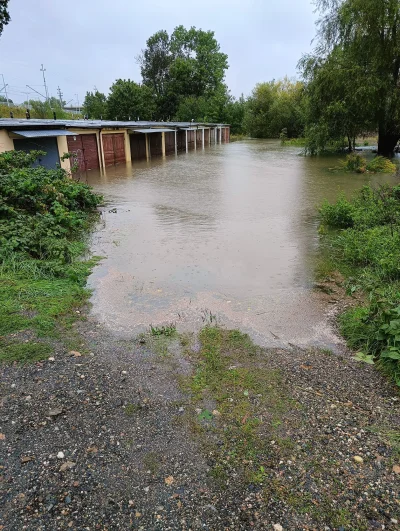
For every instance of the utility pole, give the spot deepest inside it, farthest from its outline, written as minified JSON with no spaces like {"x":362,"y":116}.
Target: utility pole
{"x":43,"y":70}
{"x":77,"y":99}
{"x":27,"y":99}
{"x":5,"y":90}
{"x":60,"y":95}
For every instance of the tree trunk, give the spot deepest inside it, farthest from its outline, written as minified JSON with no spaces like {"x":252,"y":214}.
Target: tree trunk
{"x":386,"y":144}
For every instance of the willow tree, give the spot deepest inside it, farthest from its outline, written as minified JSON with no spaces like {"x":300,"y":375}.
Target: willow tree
{"x":367,"y":33}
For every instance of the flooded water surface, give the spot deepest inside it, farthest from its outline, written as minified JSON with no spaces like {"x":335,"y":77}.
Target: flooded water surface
{"x":229,"y":231}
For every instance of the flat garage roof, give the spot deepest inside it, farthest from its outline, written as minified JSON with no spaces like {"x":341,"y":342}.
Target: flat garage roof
{"x":44,"y":132}
{"x":153,"y":130}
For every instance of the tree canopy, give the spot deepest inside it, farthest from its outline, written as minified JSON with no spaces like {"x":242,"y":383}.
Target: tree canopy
{"x":184,"y":65}
{"x":95,"y":105}
{"x":4,"y":15}
{"x":130,"y":101}
{"x":275,"y":106}
{"x":357,"y":58}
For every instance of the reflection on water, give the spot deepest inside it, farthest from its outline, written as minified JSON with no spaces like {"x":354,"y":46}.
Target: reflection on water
{"x":231,"y":229}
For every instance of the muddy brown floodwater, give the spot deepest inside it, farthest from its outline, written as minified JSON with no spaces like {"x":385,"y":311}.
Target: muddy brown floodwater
{"x":229,"y":231}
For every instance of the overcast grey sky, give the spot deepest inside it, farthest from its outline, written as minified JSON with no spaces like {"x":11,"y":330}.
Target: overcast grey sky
{"x":93,"y":42}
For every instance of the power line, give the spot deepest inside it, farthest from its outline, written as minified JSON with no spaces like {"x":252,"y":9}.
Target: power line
{"x":36,"y":91}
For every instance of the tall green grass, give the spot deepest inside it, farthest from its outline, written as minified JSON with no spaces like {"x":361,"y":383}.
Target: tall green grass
{"x":365,"y":247}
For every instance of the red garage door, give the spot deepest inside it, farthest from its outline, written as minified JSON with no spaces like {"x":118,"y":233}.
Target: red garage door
{"x":84,"y":150}
{"x":114,"y":149}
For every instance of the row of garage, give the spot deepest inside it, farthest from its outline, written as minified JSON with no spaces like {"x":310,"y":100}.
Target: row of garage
{"x":92,"y":147}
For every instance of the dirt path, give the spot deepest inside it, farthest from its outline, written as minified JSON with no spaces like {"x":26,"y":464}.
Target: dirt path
{"x":108,"y":440}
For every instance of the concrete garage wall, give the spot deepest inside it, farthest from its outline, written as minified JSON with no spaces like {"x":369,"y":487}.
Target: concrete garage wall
{"x":62,"y":149}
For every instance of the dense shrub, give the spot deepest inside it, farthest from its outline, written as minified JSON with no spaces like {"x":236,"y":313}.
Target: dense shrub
{"x":367,"y":249}
{"x":381,"y":165}
{"x":356,"y":163}
{"x":41,"y":211}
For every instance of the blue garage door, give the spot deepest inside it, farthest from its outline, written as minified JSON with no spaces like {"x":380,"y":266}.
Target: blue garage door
{"x":48,"y":144}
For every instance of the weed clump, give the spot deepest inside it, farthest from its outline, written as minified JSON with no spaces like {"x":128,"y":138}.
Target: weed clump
{"x":356,"y":163}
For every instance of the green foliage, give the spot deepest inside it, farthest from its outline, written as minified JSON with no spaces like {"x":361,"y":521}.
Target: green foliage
{"x":355,"y":163}
{"x":4,"y":15}
{"x":339,"y":215}
{"x":45,"y":109}
{"x":24,"y":352}
{"x":95,"y":105}
{"x":3,"y":99}
{"x":43,"y":216}
{"x":130,"y":101}
{"x":167,"y":331}
{"x":358,"y":164}
{"x":381,"y":165}
{"x":186,"y":64}
{"x":221,"y":107}
{"x":275,"y":106}
{"x":352,"y":76}
{"x":40,"y":210}
{"x":368,"y":246}
{"x":12,"y":160}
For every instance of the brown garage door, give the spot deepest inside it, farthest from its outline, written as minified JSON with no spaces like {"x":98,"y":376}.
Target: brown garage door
{"x":138,"y":146}
{"x":170,"y":142}
{"x":181,"y":140}
{"x":155,"y":145}
{"x":84,"y":149}
{"x":114,"y":149}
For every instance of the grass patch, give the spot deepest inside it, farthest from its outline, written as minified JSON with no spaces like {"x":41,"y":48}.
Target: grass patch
{"x":297,"y":142}
{"x":249,"y":400}
{"x":167,"y":331}
{"x":24,"y":352}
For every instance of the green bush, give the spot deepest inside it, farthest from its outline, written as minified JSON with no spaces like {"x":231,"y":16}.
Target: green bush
{"x":381,"y":165}
{"x":40,"y":210}
{"x":367,"y":248}
{"x":355,"y":163}
{"x":338,"y":215}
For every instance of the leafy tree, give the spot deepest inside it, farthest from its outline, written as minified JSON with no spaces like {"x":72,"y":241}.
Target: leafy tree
{"x":3,"y":99}
{"x":187,"y":64}
{"x":221,"y":107}
{"x":275,"y":106}
{"x":95,"y":105}
{"x":129,"y":101}
{"x":338,"y":93}
{"x":366,"y":33}
{"x":4,"y":15}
